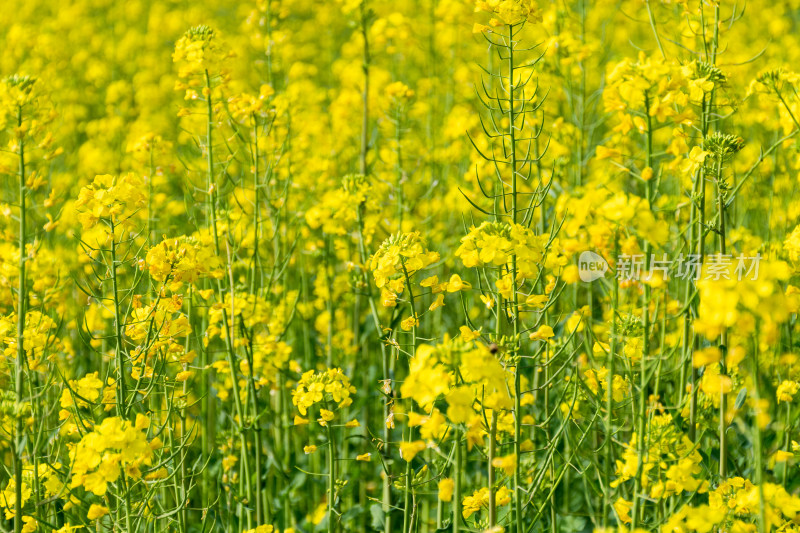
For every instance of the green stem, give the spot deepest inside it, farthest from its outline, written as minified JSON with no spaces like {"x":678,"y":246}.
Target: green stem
{"x":459,"y":466}
{"x":757,"y":445}
{"x":787,"y":440}
{"x":229,"y":333}
{"x":365,"y":92}
{"x":407,"y":510}
{"x":121,"y":376}
{"x":609,"y":442}
{"x":723,"y":339}
{"x":638,"y":502}
{"x":212,"y":186}
{"x":492,"y":452}
{"x":331,"y":480}
{"x":386,"y":495}
{"x":22,"y":300}
{"x":514,"y":300}
{"x":256,"y":271}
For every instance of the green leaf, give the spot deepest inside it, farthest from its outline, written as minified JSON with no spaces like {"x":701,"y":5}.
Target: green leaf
{"x":740,"y":398}
{"x":378,"y":516}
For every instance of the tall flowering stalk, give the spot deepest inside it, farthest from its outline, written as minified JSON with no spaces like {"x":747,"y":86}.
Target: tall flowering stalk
{"x":516,"y":106}
{"x":107,"y":210}
{"x":17,"y":97}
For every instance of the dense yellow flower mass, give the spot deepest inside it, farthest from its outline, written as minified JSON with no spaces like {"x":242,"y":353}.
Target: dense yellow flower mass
{"x":114,"y":446}
{"x":109,"y":198}
{"x":184,"y":259}
{"x":331,"y":386}
{"x":371,"y":266}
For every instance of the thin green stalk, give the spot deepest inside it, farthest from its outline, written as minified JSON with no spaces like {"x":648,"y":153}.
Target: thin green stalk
{"x":723,"y":339}
{"x":212,"y":186}
{"x":363,"y":10}
{"x":638,"y":502}
{"x":256,"y":433}
{"x":22,"y":301}
{"x":517,"y":446}
{"x":688,"y":316}
{"x":386,"y":493}
{"x":256,"y":260}
{"x":787,"y":441}
{"x":254,"y":287}
{"x":407,"y":508}
{"x":459,"y":466}
{"x":183,"y":477}
{"x":121,"y":376}
{"x":407,"y":512}
{"x":228,"y":328}
{"x":207,"y":421}
{"x":331,"y":480}
{"x":329,"y":302}
{"x":240,"y":412}
{"x":492,"y":452}
{"x":514,"y":302}
{"x":123,"y":481}
{"x":609,"y":437}
{"x":758,"y":445}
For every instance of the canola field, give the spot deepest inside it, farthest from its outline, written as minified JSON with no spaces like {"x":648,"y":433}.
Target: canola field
{"x":499,"y":266}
